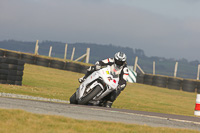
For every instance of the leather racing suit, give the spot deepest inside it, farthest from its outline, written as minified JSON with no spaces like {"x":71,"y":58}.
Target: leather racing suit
{"x":123,"y":75}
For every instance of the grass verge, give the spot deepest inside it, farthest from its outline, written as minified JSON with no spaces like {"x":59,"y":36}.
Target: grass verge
{"x":59,"y":84}
{"x":19,"y":121}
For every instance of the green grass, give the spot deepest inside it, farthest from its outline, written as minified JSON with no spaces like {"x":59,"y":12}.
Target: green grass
{"x":45,"y":82}
{"x":156,"y":99}
{"x":59,"y":84}
{"x":53,"y":83}
{"x":18,"y":121}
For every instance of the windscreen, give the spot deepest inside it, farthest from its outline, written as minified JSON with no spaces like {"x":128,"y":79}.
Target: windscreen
{"x":115,"y":71}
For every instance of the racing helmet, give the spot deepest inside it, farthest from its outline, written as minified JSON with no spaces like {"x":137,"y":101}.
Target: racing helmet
{"x":120,"y":59}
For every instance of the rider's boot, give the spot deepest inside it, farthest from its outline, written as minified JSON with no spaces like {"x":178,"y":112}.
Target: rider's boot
{"x":102,"y":103}
{"x":108,"y":104}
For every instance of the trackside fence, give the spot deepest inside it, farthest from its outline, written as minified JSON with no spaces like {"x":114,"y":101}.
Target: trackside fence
{"x":11,"y":71}
{"x":188,"y":85}
{"x":45,"y":61}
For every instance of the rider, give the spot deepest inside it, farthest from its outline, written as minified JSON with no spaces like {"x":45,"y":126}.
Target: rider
{"x":119,"y":61}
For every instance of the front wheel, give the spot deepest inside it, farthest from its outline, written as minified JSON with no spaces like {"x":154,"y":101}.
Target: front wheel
{"x":73,"y":99}
{"x":90,"y":96}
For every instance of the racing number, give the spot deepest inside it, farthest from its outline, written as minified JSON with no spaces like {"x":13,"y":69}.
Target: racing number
{"x":109,"y":78}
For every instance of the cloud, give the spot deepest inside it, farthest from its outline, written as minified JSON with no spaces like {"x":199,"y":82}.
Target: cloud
{"x":99,"y":22}
{"x":190,"y":1}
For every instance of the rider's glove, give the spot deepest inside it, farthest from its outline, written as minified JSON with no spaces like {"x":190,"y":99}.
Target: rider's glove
{"x":120,"y":87}
{"x":97,"y":67}
{"x":94,"y":68}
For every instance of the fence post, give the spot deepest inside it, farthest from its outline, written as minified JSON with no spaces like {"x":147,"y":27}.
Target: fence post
{"x":37,"y":50}
{"x":135,"y":66}
{"x":65,"y":56}
{"x":36,"y":47}
{"x":175,"y":69}
{"x":87,"y":55}
{"x":140,"y":69}
{"x":154,"y":66}
{"x":198,"y":72}
{"x":72,"y":57}
{"x":50,"y":49}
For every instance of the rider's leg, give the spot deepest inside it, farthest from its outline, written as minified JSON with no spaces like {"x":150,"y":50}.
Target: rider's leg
{"x":110,"y":98}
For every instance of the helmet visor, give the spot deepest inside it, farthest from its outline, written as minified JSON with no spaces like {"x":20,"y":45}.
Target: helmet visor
{"x":119,"y":63}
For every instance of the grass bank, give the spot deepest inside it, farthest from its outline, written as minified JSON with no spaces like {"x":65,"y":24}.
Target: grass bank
{"x":59,"y":84}
{"x":18,"y":121}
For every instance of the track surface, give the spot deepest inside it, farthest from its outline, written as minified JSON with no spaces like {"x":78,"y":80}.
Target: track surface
{"x":102,"y":114}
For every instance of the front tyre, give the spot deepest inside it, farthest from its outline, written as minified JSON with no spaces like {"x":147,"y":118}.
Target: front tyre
{"x":90,"y":96}
{"x":73,"y":99}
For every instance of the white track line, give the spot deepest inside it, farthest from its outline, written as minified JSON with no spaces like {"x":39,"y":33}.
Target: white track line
{"x":2,"y":94}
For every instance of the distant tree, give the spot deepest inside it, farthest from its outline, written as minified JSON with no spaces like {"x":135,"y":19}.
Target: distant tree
{"x":139,"y":52}
{"x":196,"y":62}
{"x":183,"y":60}
{"x":101,"y":51}
{"x":154,"y":58}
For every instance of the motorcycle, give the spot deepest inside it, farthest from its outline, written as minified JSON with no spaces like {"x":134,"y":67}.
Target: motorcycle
{"x":96,"y":86}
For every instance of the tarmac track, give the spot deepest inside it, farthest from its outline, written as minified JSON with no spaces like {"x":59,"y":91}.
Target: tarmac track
{"x":102,"y":114}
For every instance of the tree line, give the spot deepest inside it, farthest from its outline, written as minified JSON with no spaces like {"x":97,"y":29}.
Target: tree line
{"x":164,"y":66}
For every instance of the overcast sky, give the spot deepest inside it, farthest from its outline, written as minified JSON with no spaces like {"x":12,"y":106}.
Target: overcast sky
{"x":165,"y":28}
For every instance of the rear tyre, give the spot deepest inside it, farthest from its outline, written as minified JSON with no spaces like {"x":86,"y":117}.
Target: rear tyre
{"x":91,"y":95}
{"x":73,"y":99}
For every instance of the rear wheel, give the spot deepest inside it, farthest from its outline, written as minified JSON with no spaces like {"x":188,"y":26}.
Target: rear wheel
{"x":91,"y":95}
{"x":73,"y":99}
